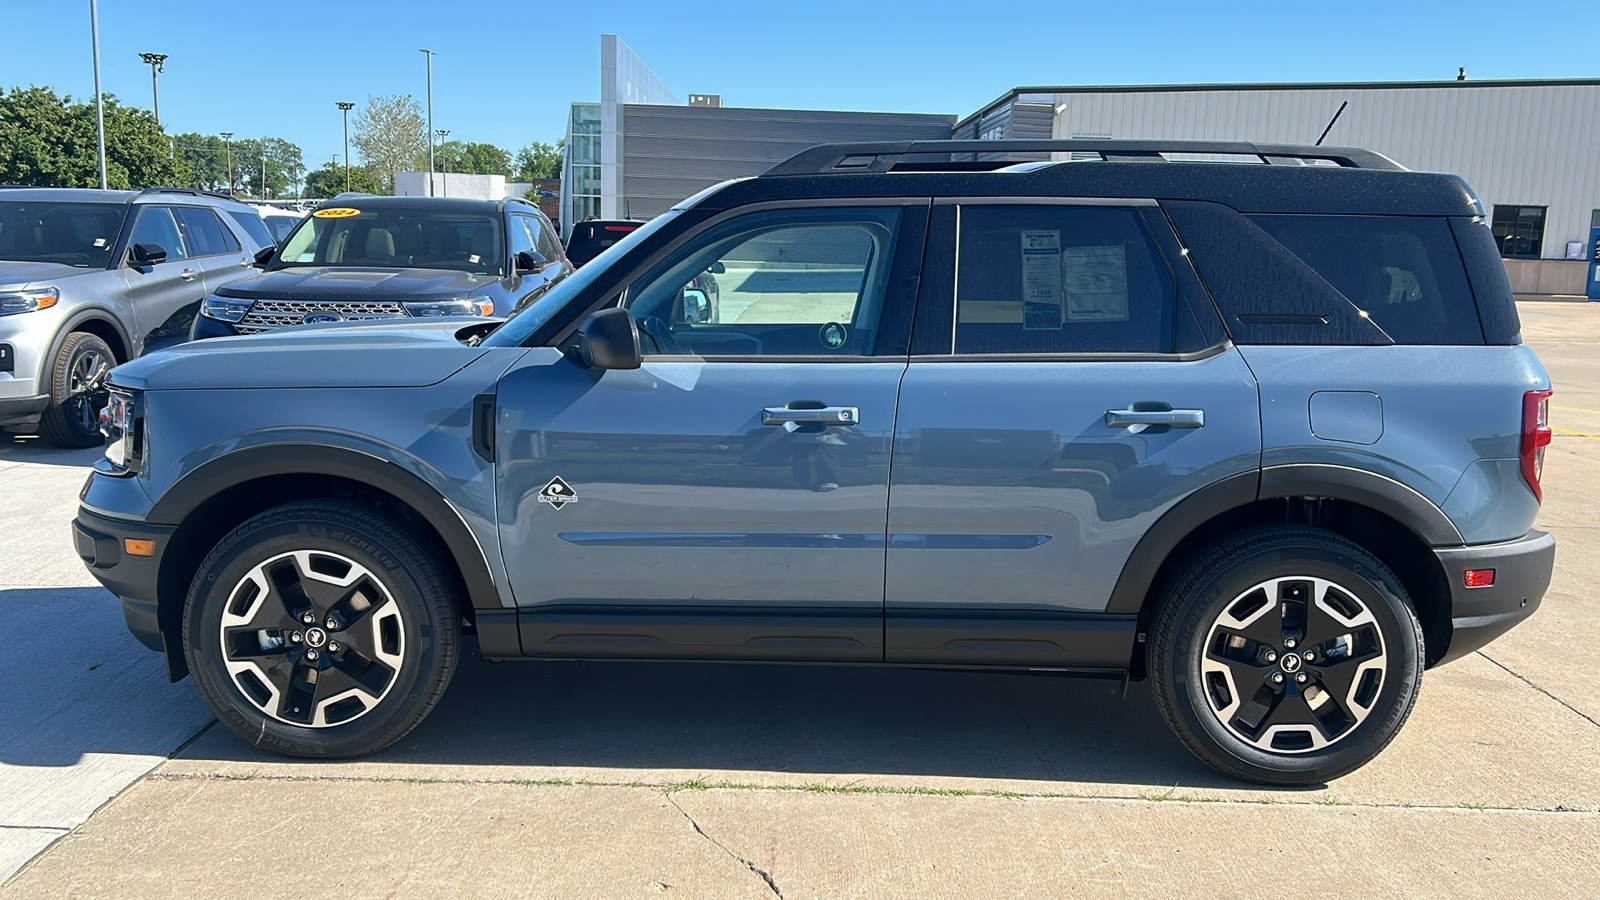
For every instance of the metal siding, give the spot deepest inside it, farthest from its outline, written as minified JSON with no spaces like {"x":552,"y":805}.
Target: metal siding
{"x":1531,"y":144}
{"x":672,"y":152}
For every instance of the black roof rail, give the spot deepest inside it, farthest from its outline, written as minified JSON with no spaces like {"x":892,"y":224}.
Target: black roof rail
{"x":193,"y":192}
{"x":889,"y":156}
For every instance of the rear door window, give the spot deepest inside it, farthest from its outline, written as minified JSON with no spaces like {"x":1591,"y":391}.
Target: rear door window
{"x":1403,"y":272}
{"x":1060,"y":279}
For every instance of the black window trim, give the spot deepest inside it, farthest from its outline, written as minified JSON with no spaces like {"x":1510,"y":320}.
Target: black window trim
{"x":1137,"y":204}
{"x":618,"y":294}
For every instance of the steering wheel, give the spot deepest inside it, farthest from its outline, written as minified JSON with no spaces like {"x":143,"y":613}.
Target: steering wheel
{"x":655,"y":330}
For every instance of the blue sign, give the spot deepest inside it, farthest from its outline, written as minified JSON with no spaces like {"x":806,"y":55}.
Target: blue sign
{"x":1593,"y":291}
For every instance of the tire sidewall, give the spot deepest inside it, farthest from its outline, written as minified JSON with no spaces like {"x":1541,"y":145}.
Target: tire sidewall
{"x":1362,"y":576}
{"x":65,"y":428}
{"x":248,"y":547}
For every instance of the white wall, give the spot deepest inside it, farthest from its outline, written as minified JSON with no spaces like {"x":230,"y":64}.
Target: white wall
{"x":1521,"y":144}
{"x":624,"y":78}
{"x":452,"y":184}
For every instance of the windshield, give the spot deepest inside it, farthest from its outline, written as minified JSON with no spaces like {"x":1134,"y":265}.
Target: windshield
{"x":73,"y":234}
{"x":398,"y":238}
{"x":527,"y":320}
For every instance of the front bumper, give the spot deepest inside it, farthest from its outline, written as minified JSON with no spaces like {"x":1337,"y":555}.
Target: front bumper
{"x":1522,"y":574}
{"x":22,"y":410}
{"x":133,"y":579}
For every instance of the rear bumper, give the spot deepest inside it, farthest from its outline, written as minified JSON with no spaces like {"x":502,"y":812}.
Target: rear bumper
{"x":1522,"y":571}
{"x":133,"y":579}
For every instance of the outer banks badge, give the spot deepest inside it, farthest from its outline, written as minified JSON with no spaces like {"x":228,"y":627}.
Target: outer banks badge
{"x":557,"y":493}
{"x":833,"y":335}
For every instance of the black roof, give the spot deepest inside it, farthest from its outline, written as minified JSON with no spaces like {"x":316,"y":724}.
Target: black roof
{"x":443,"y":204}
{"x":1353,"y":183}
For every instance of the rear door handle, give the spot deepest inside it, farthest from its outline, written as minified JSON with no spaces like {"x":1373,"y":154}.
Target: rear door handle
{"x":1146,"y":414}
{"x":187,"y":275}
{"x":826,"y":415}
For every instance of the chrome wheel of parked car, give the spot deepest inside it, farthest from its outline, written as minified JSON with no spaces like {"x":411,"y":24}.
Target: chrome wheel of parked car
{"x":1286,"y":655}
{"x":1293,"y":664}
{"x":312,"y":638}
{"x":321,"y":628}
{"x":78,"y":391}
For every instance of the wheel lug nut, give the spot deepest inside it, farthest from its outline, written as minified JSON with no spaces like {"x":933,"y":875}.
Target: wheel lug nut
{"x":1277,"y":678}
{"x":312,"y":654}
{"x":295,"y":638}
{"x":1301,"y":678}
{"x":1272,"y":656}
{"x":333,"y":646}
{"x":1290,"y":642}
{"x":332,"y":623}
{"x":308,"y":618}
{"x":1310,"y":657}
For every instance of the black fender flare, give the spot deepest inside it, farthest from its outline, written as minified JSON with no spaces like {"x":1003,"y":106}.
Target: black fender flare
{"x":242,"y":466}
{"x":1386,"y":495}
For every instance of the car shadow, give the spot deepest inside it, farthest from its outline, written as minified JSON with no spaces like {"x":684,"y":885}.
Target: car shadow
{"x":822,"y":721}
{"x":32,"y":448}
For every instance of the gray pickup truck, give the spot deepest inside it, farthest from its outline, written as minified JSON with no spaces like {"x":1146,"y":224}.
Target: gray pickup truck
{"x":1260,"y":430}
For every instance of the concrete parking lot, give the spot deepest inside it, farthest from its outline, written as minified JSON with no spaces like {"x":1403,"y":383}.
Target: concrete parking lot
{"x":618,"y":780}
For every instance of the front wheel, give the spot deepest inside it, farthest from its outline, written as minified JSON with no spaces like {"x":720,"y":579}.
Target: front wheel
{"x":320,"y":629}
{"x":77,"y":391}
{"x":1286,"y":656}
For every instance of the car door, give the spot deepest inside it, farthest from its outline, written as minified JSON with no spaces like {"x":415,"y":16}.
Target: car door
{"x":1069,"y":384}
{"x":727,"y":499}
{"x":157,"y":291}
{"x":215,"y":251}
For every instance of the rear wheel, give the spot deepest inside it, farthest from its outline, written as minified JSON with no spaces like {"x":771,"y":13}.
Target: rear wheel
{"x":320,"y":629}
{"x":1286,"y":656}
{"x":77,"y":392}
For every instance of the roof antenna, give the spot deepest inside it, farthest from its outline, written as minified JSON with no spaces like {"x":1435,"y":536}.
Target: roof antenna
{"x":1461,"y":73}
{"x":1330,"y":123}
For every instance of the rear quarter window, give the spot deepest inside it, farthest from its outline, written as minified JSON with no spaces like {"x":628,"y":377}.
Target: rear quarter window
{"x":1403,"y":272}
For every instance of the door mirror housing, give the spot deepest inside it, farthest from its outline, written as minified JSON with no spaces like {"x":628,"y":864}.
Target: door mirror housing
{"x":148,"y":254}
{"x":264,"y":256}
{"x":717,"y":268}
{"x":608,"y":339}
{"x":529,"y":261}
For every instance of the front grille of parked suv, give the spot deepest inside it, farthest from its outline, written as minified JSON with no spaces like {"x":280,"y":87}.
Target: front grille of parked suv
{"x":266,"y":315}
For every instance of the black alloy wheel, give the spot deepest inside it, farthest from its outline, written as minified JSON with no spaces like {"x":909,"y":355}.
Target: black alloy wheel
{"x":78,"y":392}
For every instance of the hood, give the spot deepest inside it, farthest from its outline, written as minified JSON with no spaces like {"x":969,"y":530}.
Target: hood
{"x":351,"y":283}
{"x":397,"y":353}
{"x":16,"y":273}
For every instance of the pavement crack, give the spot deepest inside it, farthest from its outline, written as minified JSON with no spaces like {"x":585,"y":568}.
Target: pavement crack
{"x":760,"y":872}
{"x":1520,"y":677}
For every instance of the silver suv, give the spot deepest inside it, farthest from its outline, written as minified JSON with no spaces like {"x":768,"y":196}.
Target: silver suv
{"x":90,"y":279}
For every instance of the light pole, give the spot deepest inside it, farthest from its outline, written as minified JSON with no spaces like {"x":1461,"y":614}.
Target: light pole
{"x":157,"y":63}
{"x":346,"y":107}
{"x":99,"y":109}
{"x":430,"y":55}
{"x":263,"y":169}
{"x":444,"y":164}
{"x":227,"y":144}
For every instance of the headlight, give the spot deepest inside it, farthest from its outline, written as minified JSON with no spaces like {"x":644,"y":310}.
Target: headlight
{"x":225,"y":309}
{"x":27,"y":301}
{"x":443,"y":308}
{"x":122,"y":422}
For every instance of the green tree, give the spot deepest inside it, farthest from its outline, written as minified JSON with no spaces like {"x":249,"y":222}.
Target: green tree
{"x":390,"y":135}
{"x":283,"y":164}
{"x":207,"y":159}
{"x":539,"y":160}
{"x":473,"y":158}
{"x":328,"y":181}
{"x":50,"y":141}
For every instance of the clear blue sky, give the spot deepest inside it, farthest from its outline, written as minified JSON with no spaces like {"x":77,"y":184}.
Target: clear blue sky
{"x":506,"y":71}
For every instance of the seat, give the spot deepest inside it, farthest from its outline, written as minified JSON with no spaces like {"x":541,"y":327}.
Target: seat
{"x":380,"y":245}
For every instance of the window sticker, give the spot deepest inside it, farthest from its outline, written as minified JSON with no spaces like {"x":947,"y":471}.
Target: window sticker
{"x":336,"y":213}
{"x":99,"y":242}
{"x":1041,"y":281}
{"x":1096,"y":283}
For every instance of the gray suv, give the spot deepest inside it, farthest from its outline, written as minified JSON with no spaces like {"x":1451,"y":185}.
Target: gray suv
{"x":1260,"y":430}
{"x":90,"y":279}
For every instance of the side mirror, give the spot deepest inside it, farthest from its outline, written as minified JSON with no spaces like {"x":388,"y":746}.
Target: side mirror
{"x":696,"y":307}
{"x":529,"y":261}
{"x":149,"y":254}
{"x":608,"y":339}
{"x":717,"y":268}
{"x":264,"y":256}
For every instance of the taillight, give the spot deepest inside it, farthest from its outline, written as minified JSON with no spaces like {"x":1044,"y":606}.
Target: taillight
{"x":1535,"y":437}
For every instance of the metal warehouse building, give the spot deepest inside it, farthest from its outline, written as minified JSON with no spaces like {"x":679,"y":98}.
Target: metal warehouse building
{"x":1531,"y":149}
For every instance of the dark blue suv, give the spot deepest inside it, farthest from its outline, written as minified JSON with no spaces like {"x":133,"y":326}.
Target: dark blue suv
{"x":1259,"y":429}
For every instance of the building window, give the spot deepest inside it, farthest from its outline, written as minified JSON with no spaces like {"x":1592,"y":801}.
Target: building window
{"x":1519,"y":230}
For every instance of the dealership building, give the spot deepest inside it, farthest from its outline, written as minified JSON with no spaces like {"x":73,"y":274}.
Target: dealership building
{"x":1531,"y":149}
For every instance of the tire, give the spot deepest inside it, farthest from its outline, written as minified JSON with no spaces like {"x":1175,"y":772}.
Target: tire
{"x":1230,"y":653}
{"x":77,"y":391}
{"x":383,"y":638}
